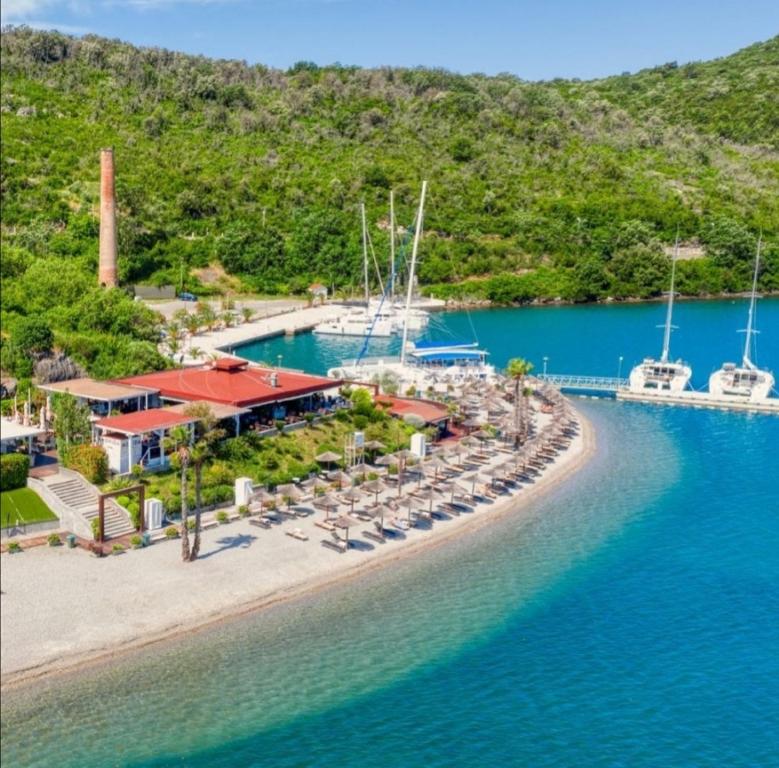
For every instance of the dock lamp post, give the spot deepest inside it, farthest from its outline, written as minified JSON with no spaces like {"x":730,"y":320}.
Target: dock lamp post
{"x":619,"y":369}
{"x":279,"y":359}
{"x":546,"y":360}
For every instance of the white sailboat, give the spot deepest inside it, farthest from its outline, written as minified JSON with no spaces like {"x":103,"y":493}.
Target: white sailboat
{"x":745,"y":381}
{"x":663,"y":375}
{"x":425,"y":364}
{"x":370,"y":320}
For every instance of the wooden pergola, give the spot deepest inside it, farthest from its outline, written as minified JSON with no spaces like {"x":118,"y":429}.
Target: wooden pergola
{"x":140,"y":489}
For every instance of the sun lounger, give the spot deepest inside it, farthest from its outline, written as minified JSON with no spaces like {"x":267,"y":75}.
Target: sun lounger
{"x":324,"y":525}
{"x":259,"y":522}
{"x":297,"y":533}
{"x":373,"y":536}
{"x":340,"y":548}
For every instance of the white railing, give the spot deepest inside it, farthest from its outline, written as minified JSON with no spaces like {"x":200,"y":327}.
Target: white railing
{"x":584,"y":383}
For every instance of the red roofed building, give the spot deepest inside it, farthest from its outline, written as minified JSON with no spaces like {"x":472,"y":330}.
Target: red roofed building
{"x":137,"y":438}
{"x":429,"y":411}
{"x":270,"y":393}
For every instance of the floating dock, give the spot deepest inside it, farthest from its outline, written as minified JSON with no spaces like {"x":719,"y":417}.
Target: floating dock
{"x":691,"y":399}
{"x":601,"y":386}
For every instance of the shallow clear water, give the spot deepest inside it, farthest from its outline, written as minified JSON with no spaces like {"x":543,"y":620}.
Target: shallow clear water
{"x":630,"y":620}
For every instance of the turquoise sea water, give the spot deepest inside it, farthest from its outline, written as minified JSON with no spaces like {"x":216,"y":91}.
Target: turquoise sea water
{"x":630,"y":620}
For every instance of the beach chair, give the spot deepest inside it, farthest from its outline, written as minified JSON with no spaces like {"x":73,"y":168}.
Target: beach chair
{"x":297,"y":533}
{"x":259,"y":522}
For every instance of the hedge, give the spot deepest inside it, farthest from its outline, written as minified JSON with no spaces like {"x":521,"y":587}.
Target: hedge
{"x":13,"y":471}
{"x":90,"y":460}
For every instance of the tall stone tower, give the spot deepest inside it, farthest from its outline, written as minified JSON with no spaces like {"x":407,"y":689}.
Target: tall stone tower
{"x":107,"y":266}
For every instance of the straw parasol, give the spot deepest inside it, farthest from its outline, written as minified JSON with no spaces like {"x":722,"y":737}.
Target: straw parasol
{"x":328,"y":457}
{"x":388,"y":459}
{"x":289,"y":493}
{"x":315,"y":484}
{"x":427,"y":494}
{"x":340,"y":478}
{"x":360,"y":469}
{"x":327,"y":502}
{"x":375,"y":487}
{"x":344,"y":522}
{"x":260,"y":497}
{"x":351,"y":495}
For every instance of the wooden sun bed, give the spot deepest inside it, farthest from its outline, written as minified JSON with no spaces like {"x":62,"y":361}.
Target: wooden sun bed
{"x":298,"y":534}
{"x":324,"y":525}
{"x":259,"y":522}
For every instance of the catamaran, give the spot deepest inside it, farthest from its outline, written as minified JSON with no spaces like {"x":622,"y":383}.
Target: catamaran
{"x":745,"y":381}
{"x":422,"y":365}
{"x":662,"y":375}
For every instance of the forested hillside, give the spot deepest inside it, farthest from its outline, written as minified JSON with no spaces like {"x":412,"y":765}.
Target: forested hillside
{"x":558,"y":189}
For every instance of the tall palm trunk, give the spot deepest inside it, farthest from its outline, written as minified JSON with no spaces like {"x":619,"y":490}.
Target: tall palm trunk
{"x":198,"y":508}
{"x":517,"y":412}
{"x":184,"y":508}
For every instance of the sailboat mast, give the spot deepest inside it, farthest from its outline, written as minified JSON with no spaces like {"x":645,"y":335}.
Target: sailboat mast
{"x":365,"y":256}
{"x":392,"y":248}
{"x":669,"y":313}
{"x":414,"y":249}
{"x":746,"y":361}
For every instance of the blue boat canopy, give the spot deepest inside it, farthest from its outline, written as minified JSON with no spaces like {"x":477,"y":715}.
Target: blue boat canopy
{"x":434,"y":357}
{"x":432,"y":344}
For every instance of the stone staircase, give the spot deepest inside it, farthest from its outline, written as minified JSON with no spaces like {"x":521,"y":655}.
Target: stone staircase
{"x":78,"y":495}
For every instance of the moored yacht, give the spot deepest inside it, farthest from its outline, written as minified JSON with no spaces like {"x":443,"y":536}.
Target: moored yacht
{"x":745,"y":381}
{"x":422,"y":365}
{"x":663,"y":375}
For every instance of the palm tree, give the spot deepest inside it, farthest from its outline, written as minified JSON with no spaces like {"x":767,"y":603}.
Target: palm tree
{"x":192,"y":323}
{"x":178,"y":444}
{"x":207,"y":315}
{"x":174,"y":335}
{"x":227,"y":318}
{"x":206,"y":437}
{"x":517,"y":369}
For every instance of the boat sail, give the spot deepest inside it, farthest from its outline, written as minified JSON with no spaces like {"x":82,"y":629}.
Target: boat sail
{"x":422,"y":365}
{"x":662,"y":375}
{"x":745,"y":381}
{"x":370,"y":320}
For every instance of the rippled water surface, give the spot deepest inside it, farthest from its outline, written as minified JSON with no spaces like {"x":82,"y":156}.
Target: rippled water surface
{"x":629,"y":620}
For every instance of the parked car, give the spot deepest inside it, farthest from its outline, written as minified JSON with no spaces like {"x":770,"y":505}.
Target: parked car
{"x":187,"y":296}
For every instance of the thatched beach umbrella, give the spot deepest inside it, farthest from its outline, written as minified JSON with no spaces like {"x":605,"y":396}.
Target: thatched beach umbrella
{"x":258,"y":499}
{"x":315,"y":484}
{"x":289,"y":493}
{"x":328,"y":457}
{"x":344,"y":522}
{"x":427,"y":494}
{"x":351,"y":495}
{"x":341,"y":479}
{"x":375,"y":487}
{"x":328,"y":503}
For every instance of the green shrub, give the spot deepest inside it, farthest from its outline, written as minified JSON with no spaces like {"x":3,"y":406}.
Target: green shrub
{"x":54,"y":540}
{"x":217,"y":495}
{"x":95,"y":525}
{"x":190,"y":523}
{"x":117,"y":549}
{"x":136,"y":542}
{"x":172,"y":532}
{"x":243,"y":510}
{"x":13,"y":471}
{"x":89,"y":460}
{"x":222,"y":517}
{"x":279,"y":424}
{"x":14,"y":546}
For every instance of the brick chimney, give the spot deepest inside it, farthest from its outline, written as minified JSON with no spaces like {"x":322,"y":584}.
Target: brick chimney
{"x":107,"y":267}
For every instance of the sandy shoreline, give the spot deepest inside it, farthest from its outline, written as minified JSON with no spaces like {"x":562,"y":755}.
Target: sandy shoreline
{"x":63,"y":609}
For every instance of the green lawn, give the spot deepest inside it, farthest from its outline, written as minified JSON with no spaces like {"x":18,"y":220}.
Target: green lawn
{"x":23,"y":506}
